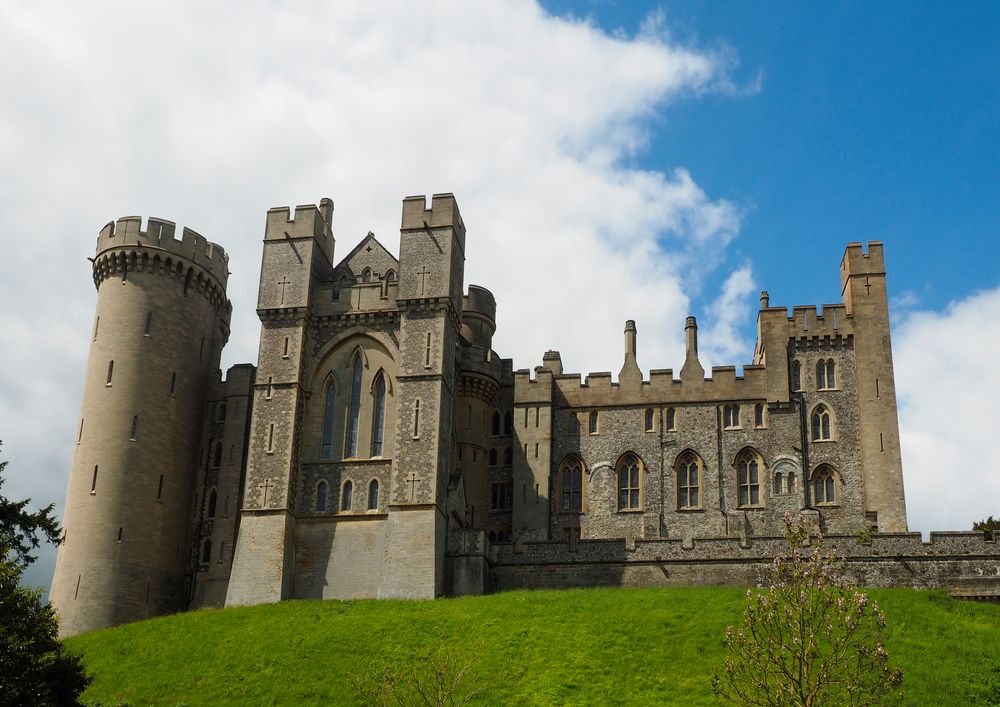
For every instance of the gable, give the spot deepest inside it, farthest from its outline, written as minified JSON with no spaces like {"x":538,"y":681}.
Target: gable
{"x":369,"y":255}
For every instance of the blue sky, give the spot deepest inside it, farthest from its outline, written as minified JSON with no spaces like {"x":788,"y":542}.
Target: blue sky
{"x":612,"y":161}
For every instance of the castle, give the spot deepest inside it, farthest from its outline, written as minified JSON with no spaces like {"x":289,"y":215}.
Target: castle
{"x":381,"y":448}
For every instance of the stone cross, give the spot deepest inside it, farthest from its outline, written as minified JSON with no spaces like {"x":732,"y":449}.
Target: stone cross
{"x":284,"y":281}
{"x":423,"y":278}
{"x":412,"y":481}
{"x":267,"y":485}
{"x":868,"y":286}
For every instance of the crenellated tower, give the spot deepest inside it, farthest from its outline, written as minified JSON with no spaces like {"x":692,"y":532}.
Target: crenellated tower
{"x":161,"y":322}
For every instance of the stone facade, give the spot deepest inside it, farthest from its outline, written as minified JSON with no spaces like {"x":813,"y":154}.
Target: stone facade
{"x":382,"y":448}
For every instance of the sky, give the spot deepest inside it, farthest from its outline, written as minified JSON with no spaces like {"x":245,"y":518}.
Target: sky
{"x":612,"y":160}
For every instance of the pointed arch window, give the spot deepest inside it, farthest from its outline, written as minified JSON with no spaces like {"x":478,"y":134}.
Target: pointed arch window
{"x":629,"y":483}
{"x":206,"y":551}
{"x":758,"y":415}
{"x":748,"y":479}
{"x":495,"y":428}
{"x":571,"y":486}
{"x":796,"y":375}
{"x":508,"y":423}
{"x":649,"y":419}
{"x":331,"y":393}
{"x":355,"y":410}
{"x":593,"y":424}
{"x":826,"y":374}
{"x":688,"y":482}
{"x":345,"y":496}
{"x":671,"y":419}
{"x":321,"y":490}
{"x":213,"y":500}
{"x":373,"y":495}
{"x":366,"y":275}
{"x":390,"y":275}
{"x":821,"y":431}
{"x":731,"y":417}
{"x":378,"y":416}
{"x":824,"y":482}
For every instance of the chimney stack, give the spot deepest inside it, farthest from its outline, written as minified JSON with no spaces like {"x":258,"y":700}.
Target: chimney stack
{"x":692,"y":370}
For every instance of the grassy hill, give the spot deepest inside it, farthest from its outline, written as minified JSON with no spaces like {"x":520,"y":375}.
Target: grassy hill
{"x":599,"y":646}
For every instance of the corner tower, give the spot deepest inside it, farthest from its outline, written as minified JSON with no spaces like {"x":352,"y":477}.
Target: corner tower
{"x":162,"y":320}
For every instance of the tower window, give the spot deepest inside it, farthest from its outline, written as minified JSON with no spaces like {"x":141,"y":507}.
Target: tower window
{"x":93,"y":482}
{"x":649,"y":419}
{"x":269,"y":391}
{"x":148,"y":329}
{"x":378,"y":417}
{"x":111,"y":372}
{"x":427,"y":352}
{"x":121,"y":532}
{"x":493,"y":457}
{"x":270,"y":438}
{"x":213,"y":498}
{"x":826,"y":374}
{"x":345,"y":496}
{"x":796,"y":375}
{"x":321,"y":497}
{"x":628,"y":484}
{"x":201,"y":349}
{"x":821,"y":424}
{"x":571,"y":486}
{"x":416,"y":418}
{"x":97,"y":324}
{"x":748,"y":479}
{"x":731,"y":417}
{"x":593,"y":424}
{"x":508,"y":423}
{"x":134,"y":435}
{"x":688,"y":482}
{"x":373,"y":495}
{"x":824,"y":486}
{"x":327,"y":417}
{"x":355,"y":410}
{"x":173,"y":382}
{"x":672,"y":419}
{"x":495,"y":427}
{"x":284,"y":351}
{"x":159,"y":489}
{"x":758,"y":415}
{"x":206,"y":551}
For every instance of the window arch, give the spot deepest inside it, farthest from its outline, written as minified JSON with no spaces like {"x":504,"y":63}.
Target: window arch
{"x":796,"y":375}
{"x":571,"y":485}
{"x":329,"y":399}
{"x":355,"y":410}
{"x":378,"y":415}
{"x":784,"y":476}
{"x":495,"y":426}
{"x":688,"y":468}
{"x":390,"y":275}
{"x":373,"y":495}
{"x":825,"y":487}
{"x":366,"y":275}
{"x":213,"y":500}
{"x":826,"y":374}
{"x":629,"y":483}
{"x":345,"y":496}
{"x":779,"y":484}
{"x":321,"y":493}
{"x":748,"y":469}
{"x":822,"y":427}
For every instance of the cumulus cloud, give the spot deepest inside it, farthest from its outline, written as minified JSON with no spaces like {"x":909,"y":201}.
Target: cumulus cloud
{"x":947,"y":382}
{"x":207,"y":116}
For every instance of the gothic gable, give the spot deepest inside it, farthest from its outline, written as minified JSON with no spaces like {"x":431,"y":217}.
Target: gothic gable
{"x":369,"y":259}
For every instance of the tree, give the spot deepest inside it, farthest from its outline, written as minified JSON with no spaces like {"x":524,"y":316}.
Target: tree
{"x":988,"y":526}
{"x":34,"y":668}
{"x":809,"y":638}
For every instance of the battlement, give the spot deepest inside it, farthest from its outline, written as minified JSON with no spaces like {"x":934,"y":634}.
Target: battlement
{"x":159,"y":233}
{"x":858,"y":262}
{"x":809,"y":320}
{"x":442,"y":213}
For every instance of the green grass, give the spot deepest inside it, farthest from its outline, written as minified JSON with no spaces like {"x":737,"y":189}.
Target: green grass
{"x":598,"y":646}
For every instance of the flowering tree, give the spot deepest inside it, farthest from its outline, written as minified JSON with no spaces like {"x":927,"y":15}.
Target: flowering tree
{"x":809,"y":638}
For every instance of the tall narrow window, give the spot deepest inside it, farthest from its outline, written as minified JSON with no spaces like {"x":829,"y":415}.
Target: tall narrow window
{"x":688,"y":482}
{"x":79,"y":433}
{"x":135,"y":428}
{"x":270,"y":437}
{"x":378,"y":417}
{"x":468,"y":417}
{"x":217,"y":454}
{"x":111,"y":372}
{"x":97,"y":324}
{"x":508,"y":423}
{"x":416,"y":418}
{"x":269,"y":391}
{"x":149,"y":324}
{"x":93,"y":482}
{"x":824,"y":486}
{"x":508,"y":456}
{"x":173,"y":382}
{"x":373,"y":495}
{"x":671,"y":419}
{"x":796,"y":375}
{"x":159,"y":489}
{"x":649,"y":419}
{"x":206,"y":551}
{"x":121,"y":532}
{"x":593,"y":422}
{"x":821,"y":424}
{"x":748,"y":479}
{"x":201,"y":350}
{"x":495,"y":427}
{"x":831,"y":374}
{"x":284,"y":351}
{"x":213,"y":498}
{"x":821,"y":375}
{"x":731,"y":417}
{"x":493,"y":457}
{"x":327,"y":418}
{"x":571,"y":485}
{"x":355,"y":410}
{"x":427,"y":352}
{"x":628,"y":483}
{"x":345,"y":496}
{"x":758,"y":415}
{"x":321,"y":489}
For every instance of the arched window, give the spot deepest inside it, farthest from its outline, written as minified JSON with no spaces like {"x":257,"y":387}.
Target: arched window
{"x":748,"y":479}
{"x":826,"y":377}
{"x":688,"y":481}
{"x":355,"y":410}
{"x":671,"y":419}
{"x":824,"y":481}
{"x":345,"y":496}
{"x":629,"y":483}
{"x":779,"y":484}
{"x":648,"y":419}
{"x":390,"y":275}
{"x":508,"y":423}
{"x":831,"y":374}
{"x":791,"y":482}
{"x":593,"y":422}
{"x":366,"y":275}
{"x":378,"y":416}
{"x":796,"y":375}
{"x":571,"y":486}
{"x":821,"y":423}
{"x":206,"y":551}
{"x":373,"y":495}
{"x":731,"y":417}
{"x":331,"y":392}
{"x":493,"y":457}
{"x":495,"y":428}
{"x":321,"y":489}
{"x":213,"y":499}
{"x":758,"y":415}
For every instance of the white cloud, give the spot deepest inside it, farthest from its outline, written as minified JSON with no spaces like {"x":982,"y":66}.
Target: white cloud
{"x":722,"y":343}
{"x":948,"y":381}
{"x":208,"y":116}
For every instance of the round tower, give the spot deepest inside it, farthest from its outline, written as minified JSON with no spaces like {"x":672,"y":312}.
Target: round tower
{"x":162,"y":320}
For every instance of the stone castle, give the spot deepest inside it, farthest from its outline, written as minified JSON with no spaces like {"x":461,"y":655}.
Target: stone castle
{"x":381,"y":448}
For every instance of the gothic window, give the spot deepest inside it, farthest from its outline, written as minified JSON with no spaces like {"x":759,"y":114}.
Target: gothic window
{"x":748,"y":479}
{"x":574,"y":422}
{"x":373,"y":495}
{"x":321,"y":489}
{"x":345,"y":496}
{"x":824,"y":481}
{"x":731,"y":417}
{"x":390,"y":275}
{"x":629,"y":483}
{"x":206,"y":551}
{"x":688,"y":481}
{"x":796,"y":375}
{"x":355,"y":410}
{"x":217,"y":454}
{"x":508,"y":423}
{"x":213,"y":499}
{"x":571,"y":486}
{"x":671,"y":419}
{"x":331,"y":391}
{"x":593,"y":422}
{"x":826,"y":377}
{"x":495,"y":429}
{"x":821,"y":424}
{"x":648,"y":419}
{"x":378,"y":416}
{"x":366,"y":275}
{"x":758,"y":415}
{"x":493,"y":457}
